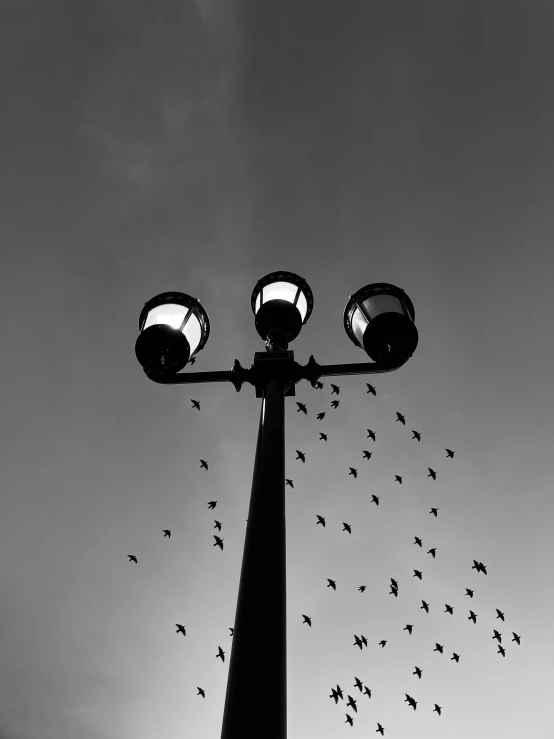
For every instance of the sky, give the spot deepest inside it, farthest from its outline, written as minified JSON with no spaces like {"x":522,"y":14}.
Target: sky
{"x":197,"y":146}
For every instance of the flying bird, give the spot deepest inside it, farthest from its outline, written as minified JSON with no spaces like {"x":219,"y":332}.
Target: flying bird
{"x":367,"y":691}
{"x":393,"y":591}
{"x":320,"y":416}
{"x":358,"y":684}
{"x":479,"y":567}
{"x":212,"y":504}
{"x":203,"y":464}
{"x":370,"y":434}
{"x":288,"y":482}
{"x":320,"y":520}
{"x":455,"y":656}
{"x":132,"y":558}
{"x":307,"y":620}
{"x":432,"y":473}
{"x":497,"y":635}
{"x":192,"y":360}
{"x":417,"y":541}
{"x":195,"y":403}
{"x":417,"y":672}
{"x":400,"y":417}
{"x":472,"y":617}
{"x":380,"y":729}
{"x":448,"y":608}
{"x":353,"y":472}
{"x":469,"y":592}
{"x":357,"y":642}
{"x":352,"y":703}
{"x":516,"y":638}
{"x":361,"y":588}
{"x":301,"y":407}
{"x":200,"y":692}
{"x":370,"y":389}
{"x":438,"y":648}
{"x":331,"y":584}
{"x":408,"y":628}
{"x":483,"y":568}
{"x":181,"y":628}
{"x":347,"y":527}
{"x":437,"y":708}
{"x":334,"y":695}
{"x":335,"y":403}
{"x":349,"y":720}
{"x":432,"y":551}
{"x":232,"y":630}
{"x":301,"y":455}
{"x":323,"y":437}
{"x":382,"y":643}
{"x":167,"y":532}
{"x":416,"y":435}
{"x":217,"y":525}
{"x":367,"y":454}
{"x":397,"y":478}
{"x":501,"y":651}
{"x":434,"y":511}
{"x":425,"y":606}
{"x":319,"y":385}
{"x":363,"y":640}
{"x":375,"y":499}
{"x":499,"y":615}
{"x":394,"y":583}
{"x":218,"y":542}
{"x":339,"y":692}
{"x":220,"y":654}
{"x":418,"y":574}
{"x":411,"y":701}
{"x":449,"y":453}
{"x":335,"y":389}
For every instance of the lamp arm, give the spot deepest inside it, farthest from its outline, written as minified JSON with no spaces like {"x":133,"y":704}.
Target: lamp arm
{"x":312,"y":371}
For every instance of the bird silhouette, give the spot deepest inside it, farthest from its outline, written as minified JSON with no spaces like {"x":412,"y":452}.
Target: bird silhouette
{"x":200,"y":692}
{"x":449,"y":609}
{"x":132,"y":558}
{"x":408,"y":628}
{"x":438,"y":648}
{"x":352,"y":703}
{"x":167,"y":532}
{"x":397,"y":478}
{"x":449,"y":453}
{"x":425,"y":606}
{"x":232,"y":630}
{"x":455,"y":656}
{"x":370,"y":389}
{"x":320,"y":520}
{"x":334,"y":695}
{"x":400,"y":417}
{"x":349,"y":720}
{"x":320,"y":416}
{"x":361,"y":588}
{"x":331,"y":584}
{"x":195,"y":404}
{"x":363,"y":640}
{"x":301,"y":455}
{"x":411,"y":701}
{"x":367,"y":454}
{"x":375,"y":499}
{"x":516,"y":638}
{"x":335,"y":403}
{"x":192,"y":360}
{"x":394,"y":583}
{"x":418,"y":573}
{"x":432,"y":473}
{"x":289,"y":483}
{"x":323,"y":437}
{"x":483,"y":568}
{"x":353,"y":472}
{"x":301,"y":407}
{"x":347,"y":527}
{"x":434,"y":511}
{"x":217,"y":525}
{"x":501,"y":651}
{"x":212,"y":504}
{"x":307,"y":620}
{"x":335,"y":389}
{"x":339,"y":692}
{"x":367,"y":691}
{"x":380,"y":729}
{"x":469,"y":592}
{"x":417,"y":672}
{"x":382,"y":643}
{"x":433,"y":552}
{"x":218,"y":542}
{"x":472,"y":617}
{"x":181,"y":628}
{"x":358,"y":684}
{"x":437,"y":708}
{"x":416,"y":435}
{"x":220,"y":654}
{"x":370,"y":434}
{"x":497,"y":635}
{"x":319,"y":385}
{"x":417,"y":541}
{"x":499,"y":615}
{"x":393,"y":591}
{"x":203,"y":464}
{"x":479,"y":567}
{"x":357,"y":642}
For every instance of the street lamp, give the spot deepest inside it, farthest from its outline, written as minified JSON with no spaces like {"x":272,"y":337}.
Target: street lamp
{"x":379,"y":318}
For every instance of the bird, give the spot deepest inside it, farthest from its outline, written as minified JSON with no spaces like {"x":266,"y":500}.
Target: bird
{"x":200,"y":692}
{"x":417,"y":672}
{"x":361,"y":588}
{"x":382,"y":643}
{"x":339,"y":692}
{"x":167,"y":532}
{"x":432,"y":473}
{"x":469,"y":592}
{"x":434,"y":511}
{"x":220,"y":654}
{"x":132,"y":558}
{"x":501,"y":651}
{"x":516,"y":638}
{"x":400,"y":417}
{"x":323,"y":437}
{"x":418,"y":574}
{"x":320,"y":520}
{"x":307,"y":620}
{"x":335,"y":403}
{"x":497,"y":635}
{"x":483,"y":568}
{"x":357,"y":642}
{"x":203,"y":464}
{"x":352,"y":703}
{"x":367,"y":454}
{"x":363,"y":640}
{"x":417,"y":541}
{"x":353,"y":472}
{"x":375,"y":499}
{"x":449,"y":453}
{"x":408,"y":628}
{"x":320,"y":416}
{"x":425,"y":606}
{"x":319,"y":385}
{"x":393,"y":591}
{"x":394,"y":583}
{"x":398,"y":478}
{"x":232,"y":630}
{"x":301,"y":455}
{"x":472,"y":617}
{"x":331,"y":584}
{"x":370,"y":434}
{"x":479,"y":567}
{"x":367,"y":691}
{"x":192,"y":360}
{"x":455,"y":656}
{"x":448,"y":608}
{"x":438,"y":648}
{"x":181,"y":628}
{"x":217,"y":525}
{"x":437,"y":708}
{"x":195,"y":403}
{"x":349,"y":720}
{"x":212,"y":504}
{"x":334,"y":695}
{"x":347,"y":527}
{"x":380,"y":729}
{"x":499,"y":615}
{"x":416,"y":435}
{"x":301,"y":407}
{"x":432,"y":551}
{"x":335,"y":389}
{"x":289,"y":483}
{"x":218,"y":542}
{"x":411,"y":701}
{"x":358,"y":683}
{"x":370,"y":389}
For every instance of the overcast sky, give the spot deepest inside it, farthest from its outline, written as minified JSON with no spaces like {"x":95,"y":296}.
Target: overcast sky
{"x":197,"y":146}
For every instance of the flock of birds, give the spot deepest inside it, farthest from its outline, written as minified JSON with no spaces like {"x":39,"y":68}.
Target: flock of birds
{"x":361,"y":641}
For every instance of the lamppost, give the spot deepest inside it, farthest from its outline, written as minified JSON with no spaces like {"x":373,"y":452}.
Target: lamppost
{"x":379,"y":318}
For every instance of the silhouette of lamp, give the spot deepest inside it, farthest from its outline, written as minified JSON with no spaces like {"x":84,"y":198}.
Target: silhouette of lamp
{"x":282,"y":303}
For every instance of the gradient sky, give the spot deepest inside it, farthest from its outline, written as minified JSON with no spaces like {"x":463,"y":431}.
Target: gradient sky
{"x":196,"y":146}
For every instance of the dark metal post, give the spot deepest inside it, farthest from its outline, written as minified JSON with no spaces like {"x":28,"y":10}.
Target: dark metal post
{"x":256,"y":698}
